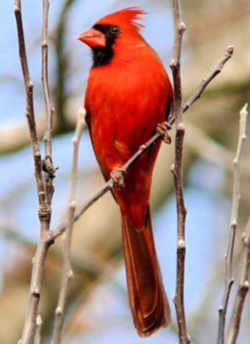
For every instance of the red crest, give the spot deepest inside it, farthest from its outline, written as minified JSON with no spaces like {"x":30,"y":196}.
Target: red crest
{"x":127,"y":17}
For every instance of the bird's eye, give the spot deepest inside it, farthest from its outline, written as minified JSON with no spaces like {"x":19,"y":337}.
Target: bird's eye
{"x":114,"y":29}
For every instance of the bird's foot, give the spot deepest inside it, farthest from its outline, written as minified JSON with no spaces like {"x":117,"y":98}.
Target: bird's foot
{"x":117,"y":175}
{"x":162,"y":129}
{"x":48,"y":167}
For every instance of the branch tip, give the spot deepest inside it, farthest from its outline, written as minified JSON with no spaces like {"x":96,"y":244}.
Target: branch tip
{"x":39,"y":320}
{"x":173,"y":64}
{"x":71,"y":274}
{"x":16,"y":9}
{"x":246,"y":285}
{"x":244,"y":108}
{"x":230,"y":50}
{"x":181,"y":127}
{"x":73,"y":204}
{"x":181,"y":244}
{"x":58,"y":311}
{"x":182,"y":27}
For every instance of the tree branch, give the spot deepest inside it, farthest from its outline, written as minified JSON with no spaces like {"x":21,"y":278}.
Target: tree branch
{"x":177,"y":170}
{"x":44,"y":213}
{"x":229,"y":280}
{"x":243,"y":288}
{"x":67,"y":272}
{"x":205,"y":82}
{"x":38,"y":337}
{"x":48,"y":162}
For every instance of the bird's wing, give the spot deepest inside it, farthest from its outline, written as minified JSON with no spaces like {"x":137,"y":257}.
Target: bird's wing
{"x":88,"y":122}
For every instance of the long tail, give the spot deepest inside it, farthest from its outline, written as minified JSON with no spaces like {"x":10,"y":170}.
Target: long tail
{"x":147,"y":298}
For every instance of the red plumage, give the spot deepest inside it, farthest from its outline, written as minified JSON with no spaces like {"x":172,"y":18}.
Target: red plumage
{"x":128,"y":94}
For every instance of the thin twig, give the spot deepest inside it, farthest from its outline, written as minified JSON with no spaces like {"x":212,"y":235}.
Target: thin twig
{"x":67,"y":272}
{"x":243,"y":288}
{"x":107,"y":187}
{"x":48,"y":162}
{"x":38,"y":337}
{"x":229,"y":280}
{"x":29,"y":329}
{"x":109,"y":184}
{"x":30,"y":105}
{"x":59,"y":230}
{"x":205,"y":82}
{"x":177,"y":171}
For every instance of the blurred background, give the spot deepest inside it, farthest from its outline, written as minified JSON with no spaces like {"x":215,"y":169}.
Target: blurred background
{"x":97,"y":310}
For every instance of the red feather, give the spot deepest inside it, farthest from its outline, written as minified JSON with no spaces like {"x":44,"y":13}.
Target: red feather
{"x":125,"y":100}
{"x":129,"y":17}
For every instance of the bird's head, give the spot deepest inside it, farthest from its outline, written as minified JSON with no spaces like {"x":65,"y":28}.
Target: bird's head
{"x":106,"y":33}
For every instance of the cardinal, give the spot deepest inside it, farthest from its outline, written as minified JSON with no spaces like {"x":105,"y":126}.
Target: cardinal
{"x":128,"y":95}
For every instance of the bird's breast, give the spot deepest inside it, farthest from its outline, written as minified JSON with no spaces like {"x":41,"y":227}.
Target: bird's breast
{"x":125,"y":104}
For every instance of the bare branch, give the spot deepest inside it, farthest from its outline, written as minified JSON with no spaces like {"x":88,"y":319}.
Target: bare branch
{"x":29,"y":104}
{"x":229,"y":280}
{"x":29,"y":330}
{"x":177,"y":170}
{"x":243,"y":288}
{"x":109,"y":184}
{"x":228,"y":54}
{"x":67,"y":272}
{"x":48,"y":162}
{"x":38,"y":337}
{"x":45,"y":82}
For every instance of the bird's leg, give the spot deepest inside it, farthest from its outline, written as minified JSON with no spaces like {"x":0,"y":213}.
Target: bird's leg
{"x":163,"y":128}
{"x":117,"y":175}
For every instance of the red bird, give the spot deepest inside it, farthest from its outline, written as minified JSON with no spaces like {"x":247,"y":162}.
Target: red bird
{"x":128,"y":94}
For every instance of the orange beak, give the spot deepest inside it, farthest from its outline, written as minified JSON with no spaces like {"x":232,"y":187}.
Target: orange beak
{"x":93,"y":38}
